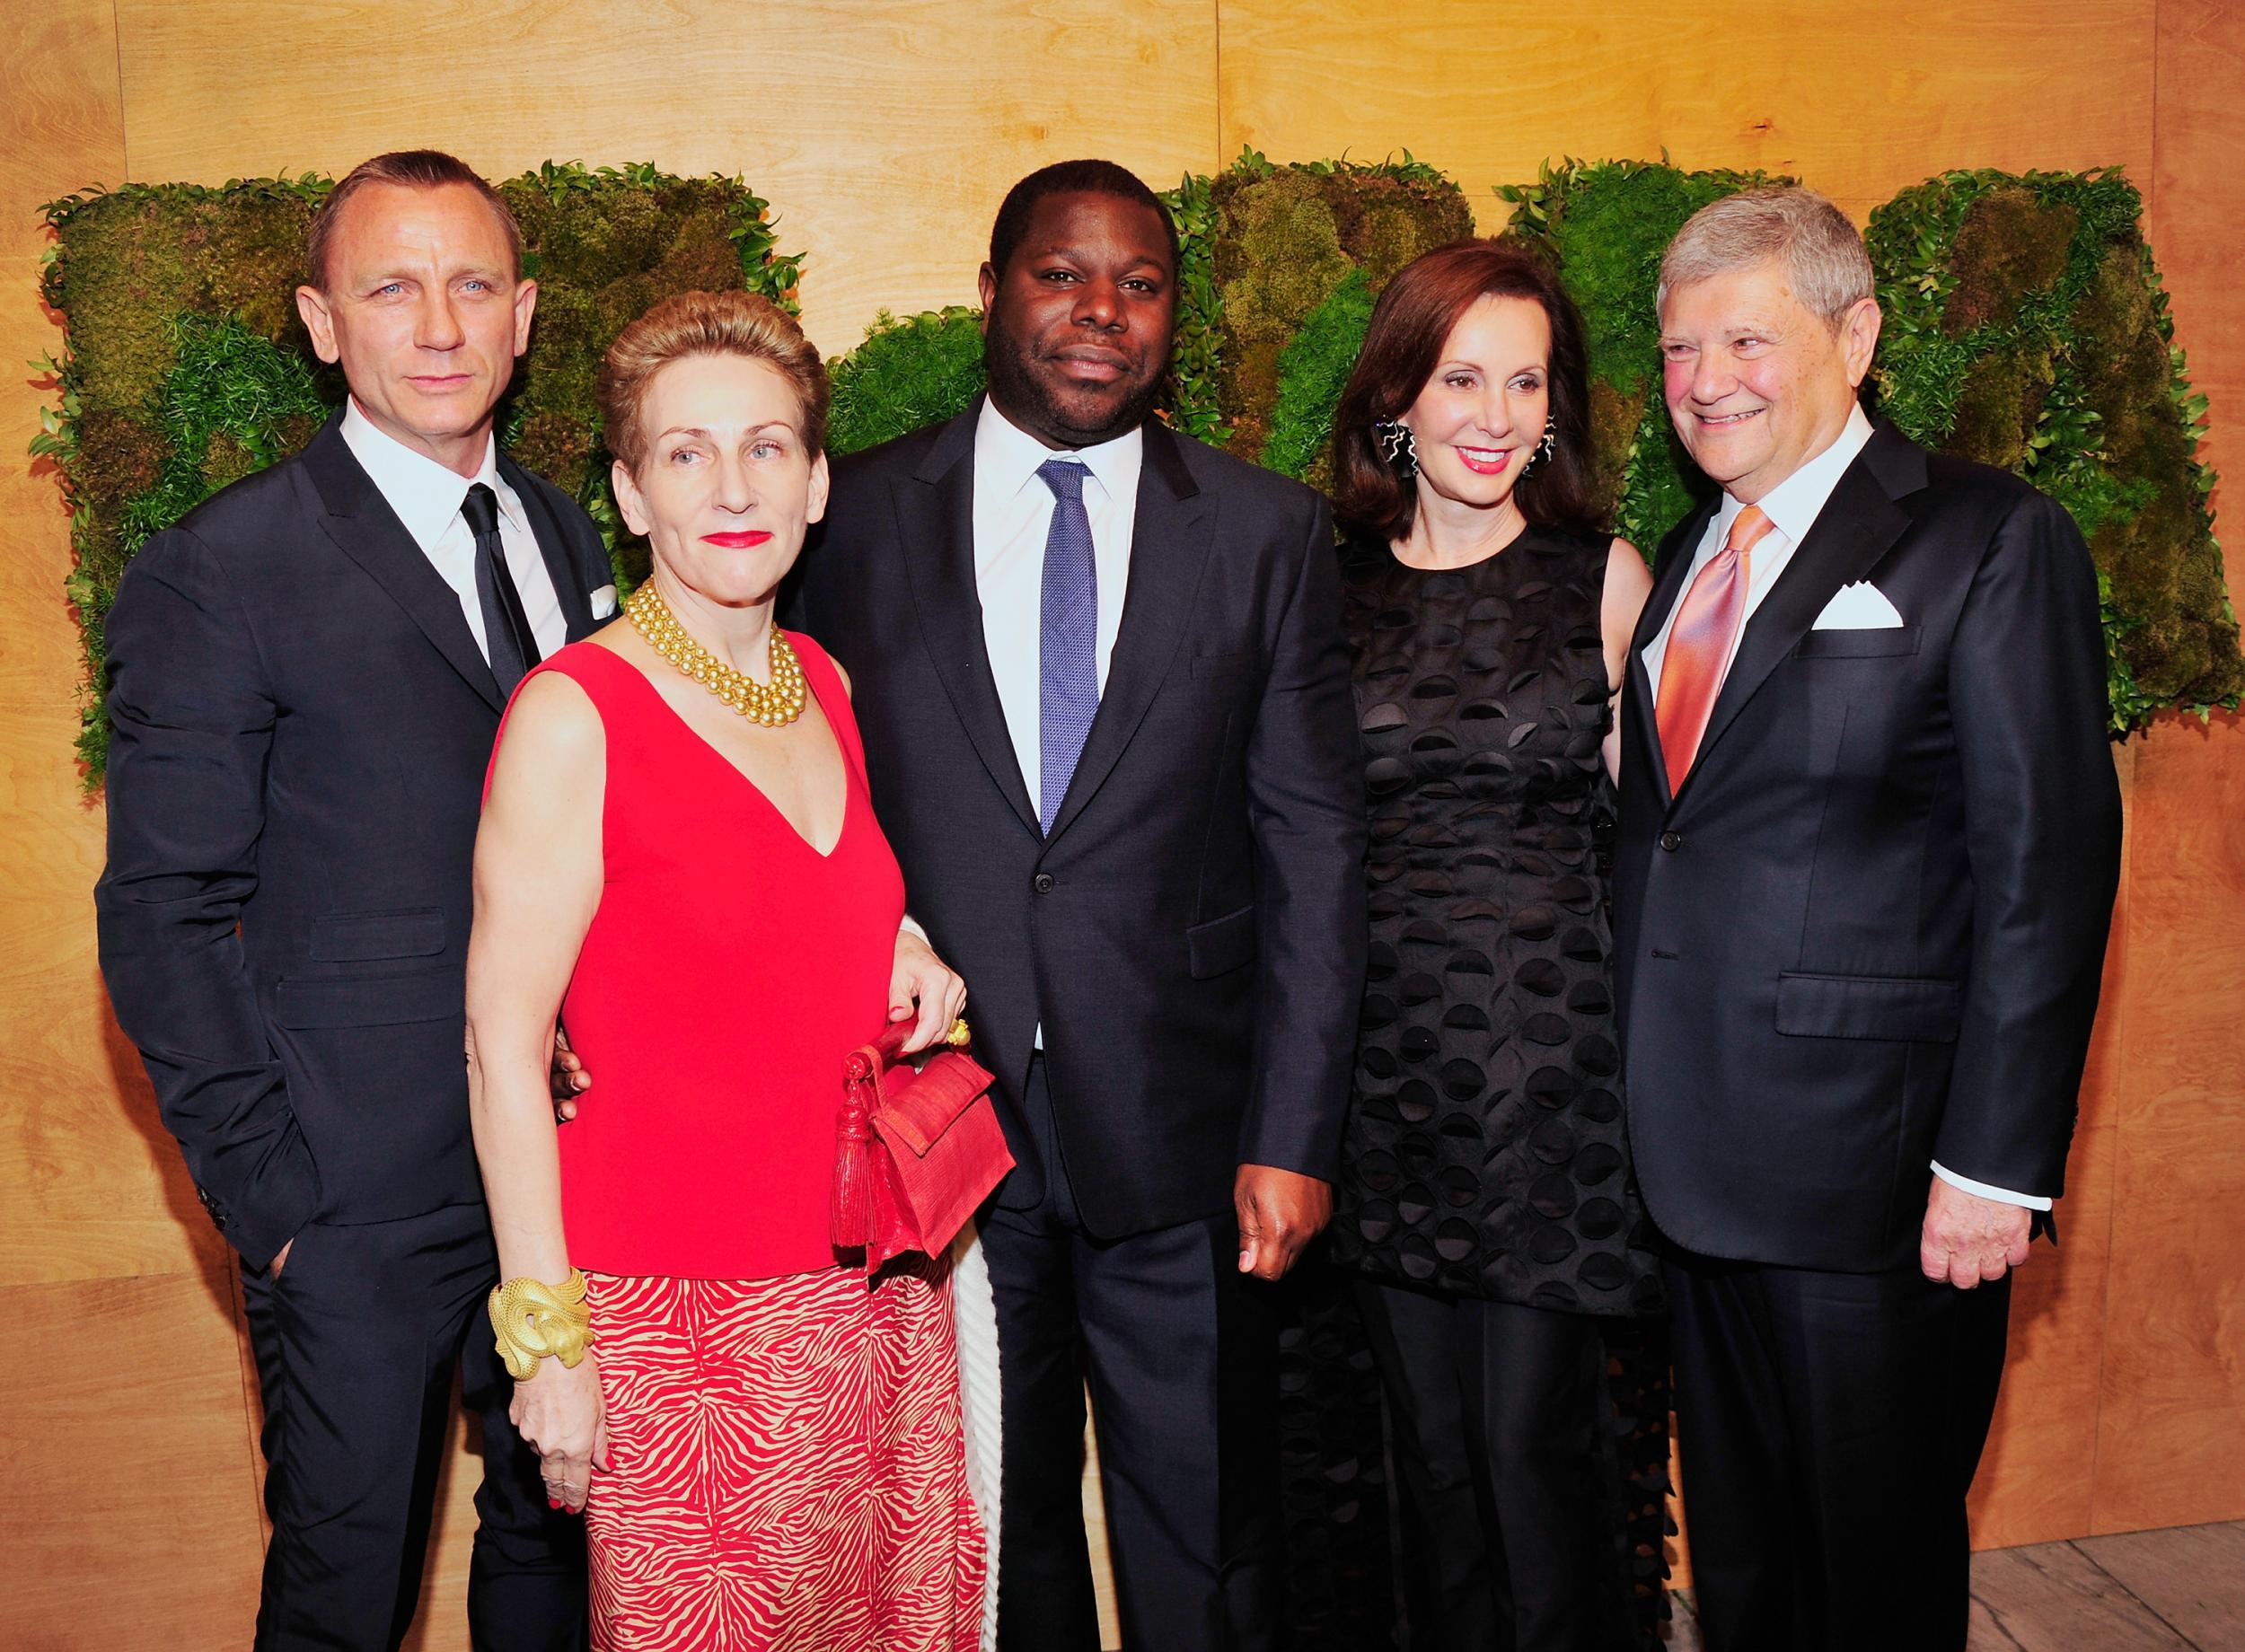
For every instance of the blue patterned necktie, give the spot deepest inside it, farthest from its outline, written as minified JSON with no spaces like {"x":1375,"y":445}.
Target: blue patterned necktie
{"x":1068,"y":666}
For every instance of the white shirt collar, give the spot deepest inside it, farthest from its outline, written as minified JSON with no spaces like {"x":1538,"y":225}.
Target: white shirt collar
{"x":1793,"y":505}
{"x":1007,"y":457}
{"x":426,"y":495}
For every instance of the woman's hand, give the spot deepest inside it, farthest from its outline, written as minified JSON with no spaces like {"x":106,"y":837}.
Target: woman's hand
{"x":923,"y":981}
{"x":559,"y":1411}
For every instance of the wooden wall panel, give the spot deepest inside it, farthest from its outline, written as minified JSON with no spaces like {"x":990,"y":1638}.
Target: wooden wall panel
{"x":2171,"y":1449}
{"x":884,"y":136}
{"x":129,"y":1516}
{"x":2037,"y":1480}
{"x":1856,"y":103}
{"x":88,"y":1186}
{"x":121,"y":1419}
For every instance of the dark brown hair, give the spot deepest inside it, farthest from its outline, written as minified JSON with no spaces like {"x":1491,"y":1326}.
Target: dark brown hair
{"x":413,"y":169}
{"x":728,"y":323}
{"x":1402,"y":346}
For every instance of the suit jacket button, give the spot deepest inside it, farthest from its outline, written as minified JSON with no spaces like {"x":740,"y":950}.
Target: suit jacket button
{"x":1671,"y":841}
{"x":1042,"y":882}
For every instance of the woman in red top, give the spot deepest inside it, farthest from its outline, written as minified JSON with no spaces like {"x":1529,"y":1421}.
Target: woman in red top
{"x":679,"y":858}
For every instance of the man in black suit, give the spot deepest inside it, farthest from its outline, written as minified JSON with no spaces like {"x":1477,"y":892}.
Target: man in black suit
{"x":1869,"y":847}
{"x":1100,"y":670}
{"x":307,"y":675}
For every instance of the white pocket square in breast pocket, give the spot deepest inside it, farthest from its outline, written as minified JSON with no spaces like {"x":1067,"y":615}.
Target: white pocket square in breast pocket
{"x":1859,"y":607}
{"x":604,"y":602}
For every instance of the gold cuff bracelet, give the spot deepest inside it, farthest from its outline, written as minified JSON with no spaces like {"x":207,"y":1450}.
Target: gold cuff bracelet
{"x":535,"y":1319}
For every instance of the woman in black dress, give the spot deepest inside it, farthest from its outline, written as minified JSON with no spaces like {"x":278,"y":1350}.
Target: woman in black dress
{"x":1485,"y":1201}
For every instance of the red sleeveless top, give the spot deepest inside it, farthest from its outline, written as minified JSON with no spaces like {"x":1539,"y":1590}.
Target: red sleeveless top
{"x":729,"y":972}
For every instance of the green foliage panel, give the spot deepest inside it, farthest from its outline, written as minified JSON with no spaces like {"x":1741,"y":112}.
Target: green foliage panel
{"x":905,"y":374}
{"x":1286,"y":241}
{"x":187,"y":367}
{"x":1604,"y":225}
{"x":2025,"y":327}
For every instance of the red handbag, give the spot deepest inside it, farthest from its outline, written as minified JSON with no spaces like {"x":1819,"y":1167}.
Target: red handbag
{"x":919,"y":1149}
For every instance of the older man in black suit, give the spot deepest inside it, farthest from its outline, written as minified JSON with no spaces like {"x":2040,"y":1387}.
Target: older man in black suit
{"x":1869,"y":847}
{"x":1100,"y":670}
{"x":307,"y":674}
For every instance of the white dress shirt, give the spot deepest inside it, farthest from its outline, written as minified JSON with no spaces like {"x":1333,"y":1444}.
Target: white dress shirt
{"x":1013,"y":514}
{"x":1792,"y":507}
{"x":426,"y":497}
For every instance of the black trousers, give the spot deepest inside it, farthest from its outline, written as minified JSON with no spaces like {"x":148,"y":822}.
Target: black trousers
{"x":1513,"y":1514}
{"x":357,"y":1343}
{"x":1830,"y":1425}
{"x":1181,"y":1352}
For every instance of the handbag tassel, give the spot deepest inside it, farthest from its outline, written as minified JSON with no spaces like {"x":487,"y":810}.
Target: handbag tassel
{"x":852,"y":1213}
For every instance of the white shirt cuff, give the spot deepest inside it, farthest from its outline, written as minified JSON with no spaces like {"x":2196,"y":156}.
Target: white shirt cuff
{"x":2000,"y":1195}
{"x":910,"y":926}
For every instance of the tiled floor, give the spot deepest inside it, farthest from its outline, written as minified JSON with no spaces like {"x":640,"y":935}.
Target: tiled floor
{"x":2171,"y":1591}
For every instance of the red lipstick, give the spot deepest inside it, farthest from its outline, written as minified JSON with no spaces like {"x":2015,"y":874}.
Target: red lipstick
{"x":744,"y":539}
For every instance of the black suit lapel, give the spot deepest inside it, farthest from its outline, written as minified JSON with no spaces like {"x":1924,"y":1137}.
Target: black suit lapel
{"x":555,"y":548}
{"x":1857,"y":526}
{"x":362,"y":524}
{"x":942,"y":580}
{"x":1673,"y":567}
{"x":1169,"y":544}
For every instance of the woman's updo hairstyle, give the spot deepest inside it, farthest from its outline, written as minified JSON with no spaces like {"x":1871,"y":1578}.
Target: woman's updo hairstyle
{"x":730,"y":323}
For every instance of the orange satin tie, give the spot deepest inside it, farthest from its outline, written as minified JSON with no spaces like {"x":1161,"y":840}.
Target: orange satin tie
{"x":1699,"y":645}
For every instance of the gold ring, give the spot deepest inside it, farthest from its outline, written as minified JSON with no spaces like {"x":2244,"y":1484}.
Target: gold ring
{"x":958,"y":1037}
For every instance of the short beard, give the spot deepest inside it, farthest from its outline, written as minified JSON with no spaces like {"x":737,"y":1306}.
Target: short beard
{"x":1012,"y":385}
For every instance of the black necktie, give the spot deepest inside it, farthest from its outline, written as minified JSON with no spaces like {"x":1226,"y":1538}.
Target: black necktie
{"x":508,"y":641}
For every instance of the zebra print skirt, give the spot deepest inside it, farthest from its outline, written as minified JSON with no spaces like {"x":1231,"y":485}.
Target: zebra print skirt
{"x":785,"y":1467}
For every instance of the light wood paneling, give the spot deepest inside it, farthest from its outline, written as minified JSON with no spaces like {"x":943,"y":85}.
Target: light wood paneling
{"x":1856,"y":103}
{"x":2171,"y":1447}
{"x":131,"y":1491}
{"x":130,"y":1517}
{"x":2172,"y":1438}
{"x":883,"y":136}
{"x":88,"y":1185}
{"x":2037,"y":1478}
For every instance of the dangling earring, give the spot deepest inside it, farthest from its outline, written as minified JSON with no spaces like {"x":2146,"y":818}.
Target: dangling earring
{"x":1400,"y":446}
{"x":1543,"y":447}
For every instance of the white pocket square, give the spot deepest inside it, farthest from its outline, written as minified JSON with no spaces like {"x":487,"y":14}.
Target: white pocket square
{"x":604,"y":602}
{"x":1859,"y":607}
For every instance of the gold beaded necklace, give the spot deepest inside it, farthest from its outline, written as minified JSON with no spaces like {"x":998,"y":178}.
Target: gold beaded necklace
{"x":774,"y":706}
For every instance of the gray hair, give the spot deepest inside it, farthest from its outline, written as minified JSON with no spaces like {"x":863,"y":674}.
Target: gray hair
{"x":1825,"y":261}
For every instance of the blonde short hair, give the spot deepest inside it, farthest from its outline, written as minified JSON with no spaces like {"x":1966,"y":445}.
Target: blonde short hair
{"x":731,"y":323}
{"x":1824,"y":257}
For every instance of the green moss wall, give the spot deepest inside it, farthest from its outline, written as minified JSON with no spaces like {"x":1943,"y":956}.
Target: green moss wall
{"x":2025,"y":327}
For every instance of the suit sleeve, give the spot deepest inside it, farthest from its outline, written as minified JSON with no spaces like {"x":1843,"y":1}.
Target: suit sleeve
{"x":1306,"y":807}
{"x":192,"y":719}
{"x":600,"y":572}
{"x":2042,"y":832}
